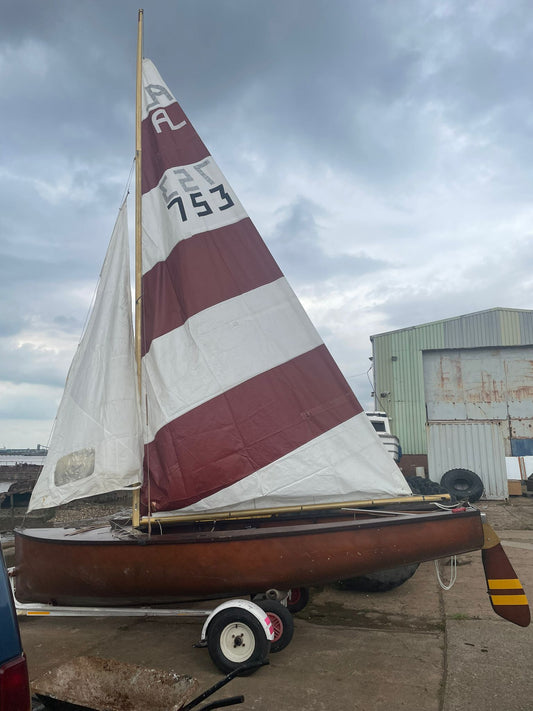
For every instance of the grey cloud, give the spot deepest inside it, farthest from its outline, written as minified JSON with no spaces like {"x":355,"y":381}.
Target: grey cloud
{"x":492,"y":282}
{"x":28,"y":364}
{"x":38,"y":404}
{"x":296,"y":245}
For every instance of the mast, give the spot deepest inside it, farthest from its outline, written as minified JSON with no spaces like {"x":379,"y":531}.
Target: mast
{"x":138,"y":234}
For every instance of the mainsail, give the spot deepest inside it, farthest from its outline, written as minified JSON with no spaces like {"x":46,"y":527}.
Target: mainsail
{"x":96,"y":443}
{"x":246,"y":408}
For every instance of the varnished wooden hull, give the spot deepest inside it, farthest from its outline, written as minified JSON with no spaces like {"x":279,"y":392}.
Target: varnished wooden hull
{"x":97,"y":567}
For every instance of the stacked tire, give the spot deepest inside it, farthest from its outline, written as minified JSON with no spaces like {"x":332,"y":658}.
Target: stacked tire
{"x":425,"y":487}
{"x":460,"y":484}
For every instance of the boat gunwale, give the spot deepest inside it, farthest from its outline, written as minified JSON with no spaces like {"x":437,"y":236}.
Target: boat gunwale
{"x":240,"y":534}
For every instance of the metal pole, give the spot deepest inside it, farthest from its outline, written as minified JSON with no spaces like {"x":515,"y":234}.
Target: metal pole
{"x":301,"y":509}
{"x":138,"y":234}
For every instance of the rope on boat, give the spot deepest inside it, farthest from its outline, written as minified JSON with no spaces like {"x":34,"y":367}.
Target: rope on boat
{"x":453,"y":573}
{"x":128,"y":182}
{"x":445,"y":507}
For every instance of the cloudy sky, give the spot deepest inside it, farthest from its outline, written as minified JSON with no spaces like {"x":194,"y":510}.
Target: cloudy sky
{"x":383,"y":149}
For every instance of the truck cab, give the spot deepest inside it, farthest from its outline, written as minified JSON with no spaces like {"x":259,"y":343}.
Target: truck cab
{"x":380,"y":422}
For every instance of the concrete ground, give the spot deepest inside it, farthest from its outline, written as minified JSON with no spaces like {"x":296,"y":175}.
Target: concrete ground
{"x":417,"y":647}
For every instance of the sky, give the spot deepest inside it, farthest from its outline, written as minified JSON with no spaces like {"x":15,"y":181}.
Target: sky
{"x":384,"y":150}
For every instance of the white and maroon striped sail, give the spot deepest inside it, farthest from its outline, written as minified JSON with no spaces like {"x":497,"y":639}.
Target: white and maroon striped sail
{"x":245,"y":406}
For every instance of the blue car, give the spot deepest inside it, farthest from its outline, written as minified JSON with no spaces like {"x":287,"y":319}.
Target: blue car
{"x":14,"y":681}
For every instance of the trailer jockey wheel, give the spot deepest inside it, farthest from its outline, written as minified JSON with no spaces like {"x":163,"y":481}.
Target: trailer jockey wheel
{"x":297,"y":600}
{"x":282,"y":623}
{"x":235,"y":637}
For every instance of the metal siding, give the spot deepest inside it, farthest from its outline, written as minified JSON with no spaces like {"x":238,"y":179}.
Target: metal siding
{"x":469,"y":445}
{"x":404,"y":377}
{"x":510,"y":328}
{"x":472,"y":330}
{"x":525,"y":319}
{"x":466,"y":384}
{"x":443,"y":385}
{"x":382,"y":369}
{"x":481,"y":384}
{"x":406,"y":404}
{"x":518,"y":370}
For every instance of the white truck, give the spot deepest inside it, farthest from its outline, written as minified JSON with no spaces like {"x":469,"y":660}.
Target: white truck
{"x":380,"y":422}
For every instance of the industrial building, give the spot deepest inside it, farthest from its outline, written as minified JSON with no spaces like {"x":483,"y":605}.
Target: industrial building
{"x":459,"y":394}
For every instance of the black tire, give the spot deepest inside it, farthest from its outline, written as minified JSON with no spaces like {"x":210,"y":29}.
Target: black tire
{"x":297,"y":600}
{"x":382,"y":581}
{"x":463,"y":484}
{"x":282,"y":622}
{"x":424,"y":487}
{"x":235,"y":637}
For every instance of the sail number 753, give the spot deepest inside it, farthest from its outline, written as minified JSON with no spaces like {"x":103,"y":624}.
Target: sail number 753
{"x":200,"y":205}
{"x":195,"y":190}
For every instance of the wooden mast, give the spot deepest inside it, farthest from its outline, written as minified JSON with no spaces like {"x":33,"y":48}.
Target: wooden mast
{"x":138,"y":234}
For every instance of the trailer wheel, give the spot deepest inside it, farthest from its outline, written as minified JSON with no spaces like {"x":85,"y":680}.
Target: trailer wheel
{"x":463,"y":483}
{"x":297,"y":600}
{"x":235,"y":637}
{"x":282,"y":622}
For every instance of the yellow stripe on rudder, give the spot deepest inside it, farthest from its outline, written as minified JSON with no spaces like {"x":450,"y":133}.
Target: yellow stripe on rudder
{"x":502,"y":584}
{"x":509,"y":599}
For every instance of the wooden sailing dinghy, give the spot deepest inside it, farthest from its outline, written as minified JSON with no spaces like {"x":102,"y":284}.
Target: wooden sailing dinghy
{"x":256,"y":465}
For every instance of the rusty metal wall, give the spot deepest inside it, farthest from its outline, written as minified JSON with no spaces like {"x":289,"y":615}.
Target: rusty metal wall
{"x":477,"y":446}
{"x":398,"y":366}
{"x":482,"y":384}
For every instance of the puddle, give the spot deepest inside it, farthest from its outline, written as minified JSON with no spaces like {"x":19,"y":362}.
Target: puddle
{"x":335,"y":614}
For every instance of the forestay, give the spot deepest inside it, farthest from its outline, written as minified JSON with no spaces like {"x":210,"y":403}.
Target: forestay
{"x":245,"y":406}
{"x":96,"y":444}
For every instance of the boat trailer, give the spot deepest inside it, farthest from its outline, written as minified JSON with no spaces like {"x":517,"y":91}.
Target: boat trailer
{"x":236,"y":632}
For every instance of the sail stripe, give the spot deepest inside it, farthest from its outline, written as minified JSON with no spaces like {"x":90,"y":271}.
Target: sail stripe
{"x":223,"y":346}
{"x":246,"y":428}
{"x":189,"y":199}
{"x":201,"y":272}
{"x":162,"y":144}
{"x":318,"y":472}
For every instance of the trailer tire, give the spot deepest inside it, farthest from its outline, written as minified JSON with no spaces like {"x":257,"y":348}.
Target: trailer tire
{"x":297,"y":600}
{"x":381,"y":581}
{"x":235,"y":637}
{"x":463,"y":484}
{"x":282,"y":622}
